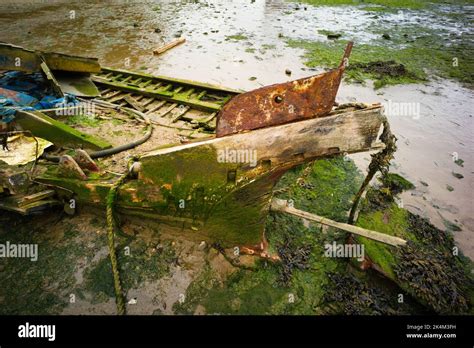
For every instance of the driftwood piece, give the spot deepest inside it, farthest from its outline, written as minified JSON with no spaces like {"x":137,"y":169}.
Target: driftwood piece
{"x":282,"y":206}
{"x":168,"y":46}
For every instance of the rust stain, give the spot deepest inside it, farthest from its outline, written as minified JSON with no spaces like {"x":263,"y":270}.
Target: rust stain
{"x":167,"y":187}
{"x":277,"y":104}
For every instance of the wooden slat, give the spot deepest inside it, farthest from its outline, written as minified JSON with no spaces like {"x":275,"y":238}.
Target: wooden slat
{"x":167,"y":111}
{"x":146,"y":83}
{"x":181,"y":113}
{"x":156,"y":107}
{"x":35,"y":197}
{"x":135,"y":104}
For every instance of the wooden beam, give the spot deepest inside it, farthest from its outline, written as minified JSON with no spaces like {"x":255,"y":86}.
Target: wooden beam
{"x":281,"y":205}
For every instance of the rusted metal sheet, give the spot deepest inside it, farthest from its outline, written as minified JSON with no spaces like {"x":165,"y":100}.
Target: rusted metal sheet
{"x":282,"y":103}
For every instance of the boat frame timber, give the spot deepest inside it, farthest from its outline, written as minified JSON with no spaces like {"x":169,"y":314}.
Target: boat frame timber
{"x":226,"y":202}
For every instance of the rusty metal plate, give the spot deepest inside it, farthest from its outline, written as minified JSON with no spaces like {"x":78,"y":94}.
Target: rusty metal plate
{"x":301,"y":99}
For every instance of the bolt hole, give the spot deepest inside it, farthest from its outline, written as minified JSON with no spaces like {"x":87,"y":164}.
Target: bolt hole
{"x":278,"y":99}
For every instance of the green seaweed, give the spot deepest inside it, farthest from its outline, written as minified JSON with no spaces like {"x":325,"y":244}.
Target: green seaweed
{"x":236,"y":37}
{"x":413,"y":54}
{"x":141,"y":262}
{"x":384,"y":4}
{"x":43,"y":286}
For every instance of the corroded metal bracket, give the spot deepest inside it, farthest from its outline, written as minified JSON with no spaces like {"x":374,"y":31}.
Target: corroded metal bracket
{"x":282,"y":103}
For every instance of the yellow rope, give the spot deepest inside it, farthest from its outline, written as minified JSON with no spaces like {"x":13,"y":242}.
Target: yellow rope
{"x":111,"y":241}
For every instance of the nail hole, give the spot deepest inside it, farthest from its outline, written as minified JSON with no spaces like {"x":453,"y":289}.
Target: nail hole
{"x":278,"y":99}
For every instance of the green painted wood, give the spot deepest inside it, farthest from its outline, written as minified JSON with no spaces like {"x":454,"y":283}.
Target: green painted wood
{"x":189,"y":83}
{"x":57,"y":132}
{"x":162,"y":94}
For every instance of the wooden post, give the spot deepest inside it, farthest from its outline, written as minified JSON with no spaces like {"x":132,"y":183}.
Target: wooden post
{"x":282,"y":206}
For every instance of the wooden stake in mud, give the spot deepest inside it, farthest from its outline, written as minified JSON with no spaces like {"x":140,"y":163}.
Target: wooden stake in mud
{"x":282,"y":206}
{"x":168,"y":46}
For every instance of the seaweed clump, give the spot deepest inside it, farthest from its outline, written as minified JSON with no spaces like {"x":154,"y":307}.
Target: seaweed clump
{"x":292,"y":257}
{"x":354,"y":297}
{"x":435,"y":279}
{"x":383,"y":68}
{"x":426,"y":232}
{"x":428,"y":267}
{"x":382,"y":197}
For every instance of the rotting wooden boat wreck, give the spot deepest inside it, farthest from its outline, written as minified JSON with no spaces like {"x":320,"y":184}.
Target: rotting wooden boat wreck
{"x":215,"y":177}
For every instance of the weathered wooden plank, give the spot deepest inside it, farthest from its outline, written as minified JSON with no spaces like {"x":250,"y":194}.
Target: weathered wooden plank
{"x":281,"y":205}
{"x":181,"y":113}
{"x":28,"y":209}
{"x":24,"y":200}
{"x":17,"y":58}
{"x":133,"y":103}
{"x":52,"y":80}
{"x":156,"y":107}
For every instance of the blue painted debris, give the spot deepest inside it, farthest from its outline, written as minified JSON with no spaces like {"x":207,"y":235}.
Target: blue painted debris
{"x":26,"y":91}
